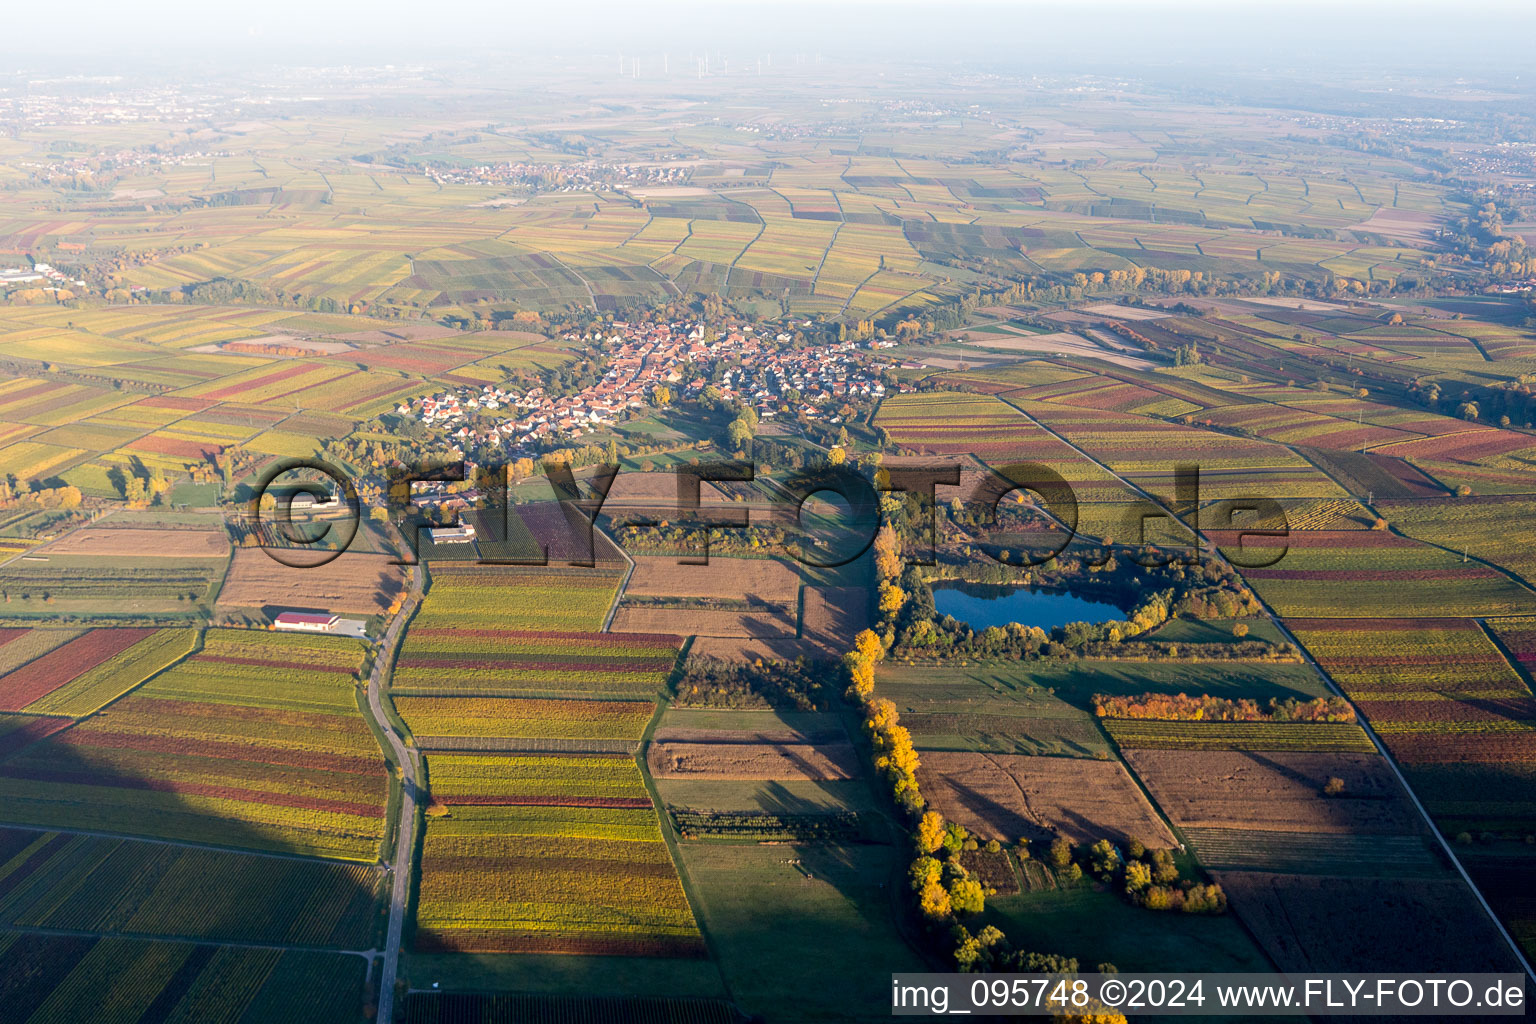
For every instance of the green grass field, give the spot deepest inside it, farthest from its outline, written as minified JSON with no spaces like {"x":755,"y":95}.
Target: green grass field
{"x":524,"y":972}
{"x":768,"y":920}
{"x":1098,"y":927}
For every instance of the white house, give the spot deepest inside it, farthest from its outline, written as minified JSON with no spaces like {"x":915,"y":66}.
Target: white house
{"x":312,"y":622}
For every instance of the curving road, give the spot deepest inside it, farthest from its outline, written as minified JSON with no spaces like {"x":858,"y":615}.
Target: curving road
{"x":400,"y":869}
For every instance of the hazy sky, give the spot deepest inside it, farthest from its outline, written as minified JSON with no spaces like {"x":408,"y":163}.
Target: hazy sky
{"x":1365,"y":31}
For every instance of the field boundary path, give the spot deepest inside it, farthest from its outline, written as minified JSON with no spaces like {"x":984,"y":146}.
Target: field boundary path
{"x":286,"y":947}
{"x":400,"y":886}
{"x":618,"y":595}
{"x":1391,"y":762}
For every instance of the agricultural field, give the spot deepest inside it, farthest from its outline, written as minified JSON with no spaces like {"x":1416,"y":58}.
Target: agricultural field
{"x":132,"y":542}
{"x":1286,"y":832}
{"x":82,"y":684}
{"x":1278,"y":790}
{"x":1047,"y":708}
{"x":1319,"y":736}
{"x":949,"y":423}
{"x":128,"y":587}
{"x":508,"y":662}
{"x":765,"y":580}
{"x":771,"y":909}
{"x":778,"y":761}
{"x":18,"y":731}
{"x":256,"y":741}
{"x":1296,"y":919}
{"x":1452,"y":708}
{"x":36,"y":680}
{"x":798,"y":810}
{"x":547,"y":878}
{"x":1146,"y":451}
{"x":124,"y":886}
{"x":527,"y":633}
{"x":1315,"y":853}
{"x":1008,"y":796}
{"x":1300,"y":292}
{"x":509,"y":723}
{"x":1087,"y":924}
{"x":445,"y":1008}
{"x":57,"y":977}
{"x":352,"y":583}
{"x":689,"y":620}
{"x":742,"y":598}
{"x":1400,"y":660}
{"x":989,"y":710}
{"x":551,"y":846}
{"x":1362,"y":574}
{"x":21,"y":645}
{"x":526,"y":600}
{"x":1501,"y":878}
{"x":1453,"y":703}
{"x":1487,"y":529}
{"x":472,"y":780}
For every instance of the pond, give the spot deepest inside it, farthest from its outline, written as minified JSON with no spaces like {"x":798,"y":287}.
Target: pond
{"x":981,"y":605}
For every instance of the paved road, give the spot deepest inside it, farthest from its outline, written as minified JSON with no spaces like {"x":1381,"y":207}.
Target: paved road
{"x":1210,"y":550}
{"x":618,"y":595}
{"x":405,"y":839}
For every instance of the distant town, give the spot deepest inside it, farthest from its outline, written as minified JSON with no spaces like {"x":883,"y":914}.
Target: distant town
{"x":647,"y":369}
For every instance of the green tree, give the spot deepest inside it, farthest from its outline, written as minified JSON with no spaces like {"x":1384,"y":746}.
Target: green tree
{"x":739,"y":433}
{"x":934,"y":902}
{"x":930,"y":831}
{"x":923,"y":871}
{"x":1103,"y":859}
{"x":1061,"y":852}
{"x":966,"y":896}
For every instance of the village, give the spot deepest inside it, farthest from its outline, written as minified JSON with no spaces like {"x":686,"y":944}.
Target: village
{"x":562,"y":177}
{"x":19,"y":277}
{"x":647,"y":368}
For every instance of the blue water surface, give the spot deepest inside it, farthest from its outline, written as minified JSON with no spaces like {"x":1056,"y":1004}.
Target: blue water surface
{"x":982,"y":605}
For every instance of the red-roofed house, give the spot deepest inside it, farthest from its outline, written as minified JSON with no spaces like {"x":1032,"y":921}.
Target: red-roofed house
{"x":314,"y":622}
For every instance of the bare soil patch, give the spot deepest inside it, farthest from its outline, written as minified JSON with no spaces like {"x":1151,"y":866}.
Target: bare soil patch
{"x":829,"y":733}
{"x":834,"y":615}
{"x":402,"y":332}
{"x":655,"y":490}
{"x":1274,"y":790}
{"x":688,"y":621}
{"x":763,"y":579}
{"x":1305,"y":305}
{"x":1007,"y":796}
{"x":1115,"y":311}
{"x":766,"y":648}
{"x":769,"y":761}
{"x":355,"y":582}
{"x":1061,"y":343}
{"x":1408,"y":226}
{"x":972,"y":474}
{"x":127,"y":542}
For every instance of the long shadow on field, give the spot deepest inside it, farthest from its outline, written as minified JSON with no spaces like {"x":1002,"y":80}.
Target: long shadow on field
{"x":774,"y":798}
{"x":992,"y":819}
{"x":839,"y":864}
{"x":135,"y":857}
